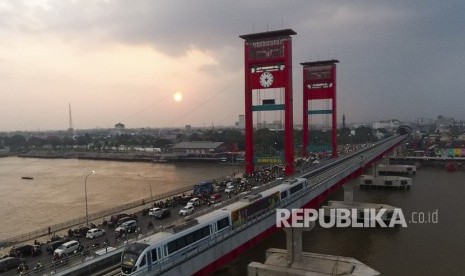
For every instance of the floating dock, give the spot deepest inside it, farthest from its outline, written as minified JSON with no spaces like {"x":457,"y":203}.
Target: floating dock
{"x":397,"y":169}
{"x":367,"y":181}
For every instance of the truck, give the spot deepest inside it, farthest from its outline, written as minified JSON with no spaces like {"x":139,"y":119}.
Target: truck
{"x":203,"y":189}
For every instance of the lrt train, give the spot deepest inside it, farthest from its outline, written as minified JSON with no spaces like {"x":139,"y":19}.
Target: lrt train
{"x":149,"y":255}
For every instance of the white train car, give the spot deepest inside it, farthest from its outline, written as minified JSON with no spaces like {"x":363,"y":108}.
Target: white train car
{"x":140,"y":257}
{"x":147,"y":255}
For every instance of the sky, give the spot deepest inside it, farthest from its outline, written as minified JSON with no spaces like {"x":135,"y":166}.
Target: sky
{"x":124,"y":61}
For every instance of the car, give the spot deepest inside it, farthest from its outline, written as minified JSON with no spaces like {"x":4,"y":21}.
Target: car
{"x":154,"y":211}
{"x":51,"y":246}
{"x":81,"y":231}
{"x":10,"y":263}
{"x":184,"y":199}
{"x":123,"y":220}
{"x":37,"y":250}
{"x":194,"y":201}
{"x":215,"y":198}
{"x":127,"y":227}
{"x":67,"y":248}
{"x":231,"y":188}
{"x":114,"y":219}
{"x":22,"y":250}
{"x":163,"y":213}
{"x":186,"y":210}
{"x":95,"y":233}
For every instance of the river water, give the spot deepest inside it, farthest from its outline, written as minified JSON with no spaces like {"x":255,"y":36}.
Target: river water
{"x":56,"y":194}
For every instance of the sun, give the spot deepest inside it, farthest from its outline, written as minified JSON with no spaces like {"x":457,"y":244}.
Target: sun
{"x":177,"y":96}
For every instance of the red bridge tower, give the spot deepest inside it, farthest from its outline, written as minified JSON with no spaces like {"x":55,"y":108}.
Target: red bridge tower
{"x":268,"y":66}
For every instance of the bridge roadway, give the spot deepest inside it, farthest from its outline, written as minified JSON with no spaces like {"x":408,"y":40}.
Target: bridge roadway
{"x":96,"y":258}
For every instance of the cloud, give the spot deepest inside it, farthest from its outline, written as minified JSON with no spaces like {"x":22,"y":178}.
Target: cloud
{"x":396,"y":57}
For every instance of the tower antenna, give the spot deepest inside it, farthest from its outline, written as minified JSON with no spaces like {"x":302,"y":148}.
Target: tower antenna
{"x":70,"y":129}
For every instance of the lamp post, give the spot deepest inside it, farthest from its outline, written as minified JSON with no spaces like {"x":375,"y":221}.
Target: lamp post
{"x":85,"y":193}
{"x":150,"y":186}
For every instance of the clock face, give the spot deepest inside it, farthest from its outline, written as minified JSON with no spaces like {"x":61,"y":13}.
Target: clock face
{"x":266,"y":79}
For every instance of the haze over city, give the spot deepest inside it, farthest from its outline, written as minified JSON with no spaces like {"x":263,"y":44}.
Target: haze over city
{"x":172,"y":63}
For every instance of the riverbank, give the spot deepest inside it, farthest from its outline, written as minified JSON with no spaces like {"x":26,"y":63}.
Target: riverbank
{"x":126,"y":156}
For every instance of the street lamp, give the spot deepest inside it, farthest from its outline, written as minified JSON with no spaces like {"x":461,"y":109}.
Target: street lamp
{"x":85,"y":192}
{"x":150,"y":186}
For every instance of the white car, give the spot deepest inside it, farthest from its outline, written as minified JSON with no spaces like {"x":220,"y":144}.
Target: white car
{"x":194,"y":201}
{"x":67,"y":248}
{"x":230,"y":189}
{"x":154,"y":211}
{"x":95,"y":233}
{"x":129,"y":226}
{"x":186,"y":210}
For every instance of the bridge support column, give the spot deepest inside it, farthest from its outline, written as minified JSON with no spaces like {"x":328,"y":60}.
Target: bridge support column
{"x":294,"y":243}
{"x":349,"y":192}
{"x":374,"y":169}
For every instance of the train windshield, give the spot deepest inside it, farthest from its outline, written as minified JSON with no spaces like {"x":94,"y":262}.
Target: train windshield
{"x":128,"y":261}
{"x":130,"y":256}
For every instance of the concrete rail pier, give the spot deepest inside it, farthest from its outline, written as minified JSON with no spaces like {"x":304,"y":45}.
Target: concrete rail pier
{"x":281,"y":262}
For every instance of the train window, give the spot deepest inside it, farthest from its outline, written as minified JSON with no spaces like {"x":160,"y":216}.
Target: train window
{"x":197,"y":235}
{"x":296,"y":188}
{"x":154,"y":255}
{"x":181,"y":242}
{"x":159,"y":252}
{"x":284,"y":195}
{"x":205,"y":231}
{"x":143,"y":262}
{"x":222,"y":223}
{"x":189,"y":239}
{"x":172,"y":247}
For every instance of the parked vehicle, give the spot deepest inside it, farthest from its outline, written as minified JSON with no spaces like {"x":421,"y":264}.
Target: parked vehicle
{"x":95,"y":233}
{"x":195,"y":201}
{"x":186,"y":210}
{"x":154,"y":211}
{"x":22,"y":250}
{"x":10,"y":263}
{"x":184,"y":199}
{"x":164,"y":213}
{"x":204,"y":188}
{"x":231,"y":188}
{"x":215,"y":198}
{"x":51,"y":246}
{"x":127,"y":227}
{"x":67,"y":248}
{"x":37,"y":250}
{"x":123,"y":220}
{"x":114,"y":219}
{"x":81,"y":232}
